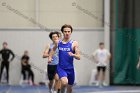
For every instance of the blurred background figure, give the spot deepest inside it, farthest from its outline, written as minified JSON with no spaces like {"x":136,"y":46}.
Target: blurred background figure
{"x":26,"y":69}
{"x":5,"y":60}
{"x":102,"y":57}
{"x":138,"y":65}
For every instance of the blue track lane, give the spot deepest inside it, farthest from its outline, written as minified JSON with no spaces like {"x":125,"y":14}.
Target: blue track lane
{"x":77,"y":89}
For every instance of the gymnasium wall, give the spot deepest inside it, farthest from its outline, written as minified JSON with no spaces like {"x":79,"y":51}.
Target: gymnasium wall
{"x":21,"y":21}
{"x":51,"y":13}
{"x":35,"y":41}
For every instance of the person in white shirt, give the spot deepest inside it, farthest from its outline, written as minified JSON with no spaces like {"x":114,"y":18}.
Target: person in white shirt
{"x":101,"y":57}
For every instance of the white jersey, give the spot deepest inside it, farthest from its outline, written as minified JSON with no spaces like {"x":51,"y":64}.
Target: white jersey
{"x":101,"y":55}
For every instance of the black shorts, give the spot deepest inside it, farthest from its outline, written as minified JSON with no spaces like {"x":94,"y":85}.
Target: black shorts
{"x":103,"y":68}
{"x":51,"y":69}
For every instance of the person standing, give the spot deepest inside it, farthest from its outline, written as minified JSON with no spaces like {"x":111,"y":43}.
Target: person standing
{"x":101,"y":57}
{"x":6,"y":53}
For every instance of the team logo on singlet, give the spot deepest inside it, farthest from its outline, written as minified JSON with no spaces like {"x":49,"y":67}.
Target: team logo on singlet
{"x":64,"y":49}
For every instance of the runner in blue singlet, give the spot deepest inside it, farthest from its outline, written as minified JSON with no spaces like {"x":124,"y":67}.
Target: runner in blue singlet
{"x":68,"y":50}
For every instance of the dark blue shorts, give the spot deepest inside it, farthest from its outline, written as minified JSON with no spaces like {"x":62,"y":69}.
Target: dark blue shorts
{"x":69,"y":73}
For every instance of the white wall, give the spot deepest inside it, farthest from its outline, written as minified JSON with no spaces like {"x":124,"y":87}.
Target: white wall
{"x":12,"y":12}
{"x":35,"y":42}
{"x":51,"y":13}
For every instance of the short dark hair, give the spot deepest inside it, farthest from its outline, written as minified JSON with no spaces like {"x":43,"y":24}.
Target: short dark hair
{"x":101,"y":43}
{"x":66,"y":26}
{"x":5,"y":43}
{"x":52,"y":33}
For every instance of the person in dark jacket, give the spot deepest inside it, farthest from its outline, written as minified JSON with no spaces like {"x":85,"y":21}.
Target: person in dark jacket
{"x":5,"y":59}
{"x":26,"y":67}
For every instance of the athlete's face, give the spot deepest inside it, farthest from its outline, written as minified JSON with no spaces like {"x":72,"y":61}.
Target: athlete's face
{"x":55,"y":37}
{"x":67,"y":33}
{"x":101,"y":46}
{"x":25,"y":52}
{"x":4,"y":45}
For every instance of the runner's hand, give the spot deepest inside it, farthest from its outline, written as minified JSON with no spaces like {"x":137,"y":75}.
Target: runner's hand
{"x":49,"y":60}
{"x":70,"y":53}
